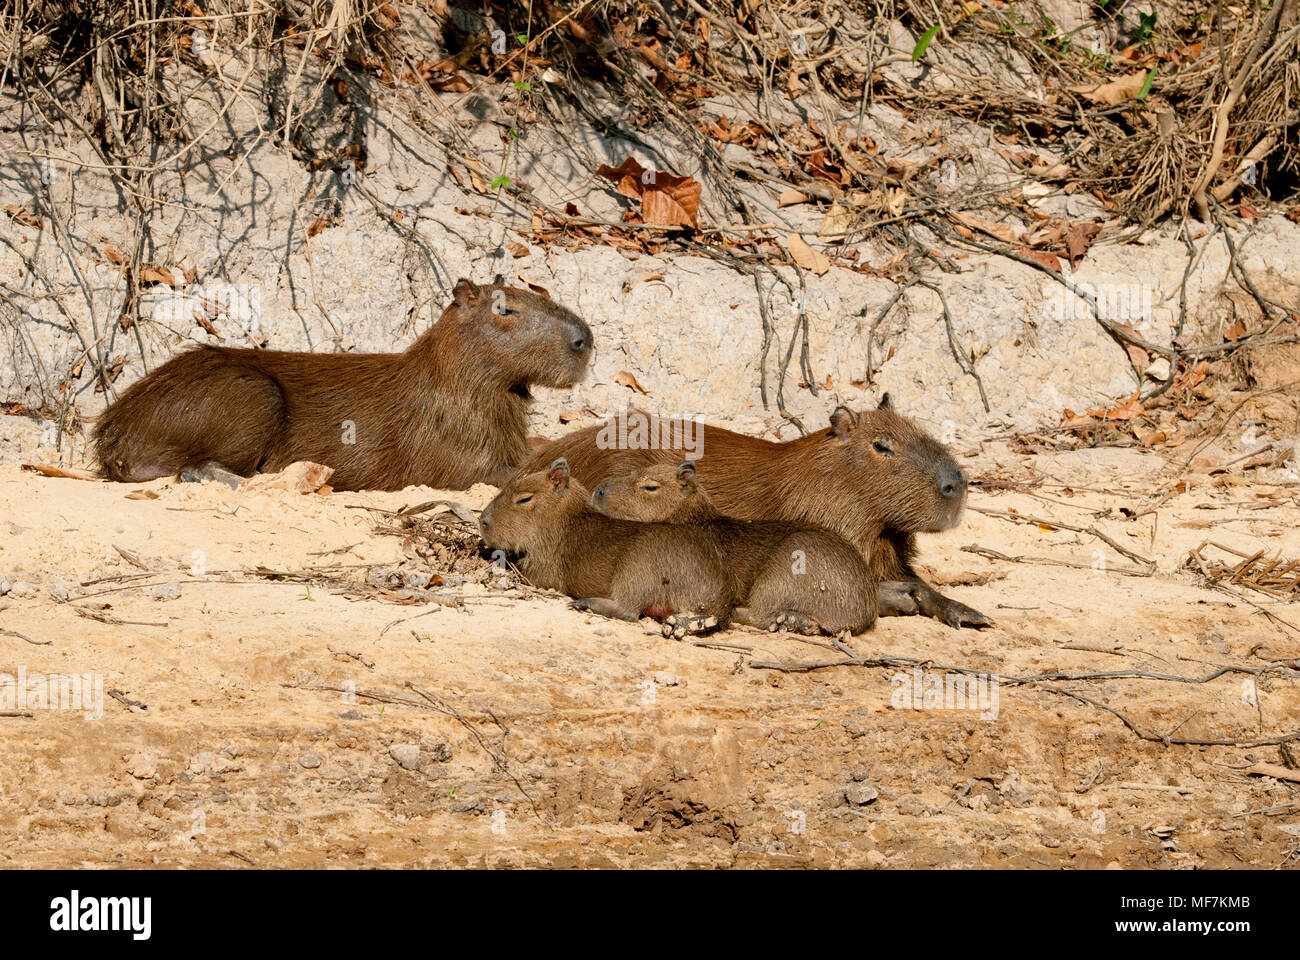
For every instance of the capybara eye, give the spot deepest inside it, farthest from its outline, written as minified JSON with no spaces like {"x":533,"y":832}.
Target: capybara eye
{"x":883,"y":446}
{"x":522,"y":500}
{"x":650,"y":487}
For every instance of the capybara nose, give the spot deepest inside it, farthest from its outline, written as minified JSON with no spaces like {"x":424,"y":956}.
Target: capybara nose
{"x":952,"y":482}
{"x":580,"y":339}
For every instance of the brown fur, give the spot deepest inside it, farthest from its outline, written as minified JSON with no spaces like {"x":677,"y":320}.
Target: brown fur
{"x":875,"y":478}
{"x":613,"y":567}
{"x":449,"y":411}
{"x":787,"y":575}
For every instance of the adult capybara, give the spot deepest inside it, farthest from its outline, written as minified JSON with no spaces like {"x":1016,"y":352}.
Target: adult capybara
{"x":875,"y":478}
{"x":787,"y":576}
{"x":448,"y":412}
{"x":616,"y":568}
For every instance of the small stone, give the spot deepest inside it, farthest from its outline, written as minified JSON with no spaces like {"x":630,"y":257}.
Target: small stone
{"x":5,"y":586}
{"x":416,"y":581}
{"x":861,"y":794}
{"x":352,"y":715}
{"x":22,"y":590}
{"x":407,"y":755}
{"x":876,"y":858}
{"x":167,"y":591}
{"x":861,"y":772}
{"x":59,"y":592}
{"x":310,"y":760}
{"x":665,"y":679}
{"x":141,"y":767}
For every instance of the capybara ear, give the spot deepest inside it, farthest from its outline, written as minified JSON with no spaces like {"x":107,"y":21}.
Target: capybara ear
{"x":886,"y":403}
{"x":499,"y":279}
{"x":465,"y":292}
{"x":559,"y":475}
{"x":686,"y":476}
{"x":843,"y":420}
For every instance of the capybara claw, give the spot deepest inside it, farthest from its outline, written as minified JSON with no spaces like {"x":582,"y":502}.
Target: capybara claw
{"x":679,"y":625}
{"x":794,"y":622}
{"x":959,"y":615}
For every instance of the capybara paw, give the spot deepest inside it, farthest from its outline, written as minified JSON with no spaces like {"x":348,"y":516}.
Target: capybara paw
{"x":678,"y":625}
{"x":959,"y":615}
{"x":794,"y":622}
{"x":897,"y":599}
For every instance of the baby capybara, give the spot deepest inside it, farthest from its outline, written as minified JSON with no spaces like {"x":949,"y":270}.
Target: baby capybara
{"x":787,"y":576}
{"x":616,"y":568}
{"x":875,"y":478}
{"x":448,"y":412}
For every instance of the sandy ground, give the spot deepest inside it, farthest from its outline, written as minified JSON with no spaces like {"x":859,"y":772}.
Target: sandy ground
{"x":265,"y":720}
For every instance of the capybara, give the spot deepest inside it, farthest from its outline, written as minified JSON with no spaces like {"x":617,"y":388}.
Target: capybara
{"x":616,"y":568}
{"x":787,"y":576}
{"x":875,"y":478}
{"x":448,"y":412}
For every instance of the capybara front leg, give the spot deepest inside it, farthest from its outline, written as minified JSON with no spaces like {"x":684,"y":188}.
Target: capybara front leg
{"x":210,"y":470}
{"x":605,"y":607}
{"x":901,"y":598}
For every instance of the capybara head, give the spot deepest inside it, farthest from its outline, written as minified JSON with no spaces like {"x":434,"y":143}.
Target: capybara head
{"x":531,"y":339}
{"x":909,"y":478}
{"x":654,"y":494}
{"x":528,"y":514}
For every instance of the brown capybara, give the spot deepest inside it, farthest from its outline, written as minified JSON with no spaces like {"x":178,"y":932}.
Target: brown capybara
{"x":875,"y":478}
{"x":448,"y":412}
{"x":616,"y":568}
{"x":787,"y":576}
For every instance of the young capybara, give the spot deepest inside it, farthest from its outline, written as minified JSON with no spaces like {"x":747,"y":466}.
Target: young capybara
{"x":875,"y":478}
{"x":448,"y":412}
{"x":787,"y":576}
{"x":616,"y":568}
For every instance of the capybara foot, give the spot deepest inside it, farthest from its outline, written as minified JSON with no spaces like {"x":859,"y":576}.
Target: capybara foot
{"x":603,"y":606}
{"x":210,"y":470}
{"x":901,"y":598}
{"x":794,"y":622}
{"x":678,"y":625}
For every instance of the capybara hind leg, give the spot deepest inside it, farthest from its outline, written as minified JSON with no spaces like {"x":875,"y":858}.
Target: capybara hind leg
{"x":210,"y":470}
{"x":689,"y":624}
{"x":605,"y":607}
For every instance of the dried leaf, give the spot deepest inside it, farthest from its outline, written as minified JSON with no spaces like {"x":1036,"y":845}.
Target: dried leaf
{"x":317,"y":225}
{"x":22,"y":216}
{"x":789,"y":198}
{"x":517,"y":249}
{"x":1126,"y":411}
{"x":667,"y":200}
{"x":625,"y":379}
{"x":806,"y":256}
{"x":1116,"y":92}
{"x":1045,"y":257}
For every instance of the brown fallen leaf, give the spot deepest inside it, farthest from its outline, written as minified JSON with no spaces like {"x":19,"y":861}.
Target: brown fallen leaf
{"x":837,"y":222}
{"x":317,"y":225}
{"x":1079,"y":237}
{"x":1125,"y":411}
{"x":789,"y":198}
{"x":806,"y":256}
{"x":23,"y":217}
{"x":1003,"y":231}
{"x":517,"y":249}
{"x":142,"y":495}
{"x":114,"y":256}
{"x":667,"y":200}
{"x":1236,"y":331}
{"x":1114,"y":93}
{"x":1136,"y":354}
{"x":625,"y":379}
{"x":1045,"y":257}
{"x":644,"y":278}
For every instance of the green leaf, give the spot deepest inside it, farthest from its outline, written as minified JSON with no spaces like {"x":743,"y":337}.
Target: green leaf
{"x":523,"y":85}
{"x":1146,"y":85}
{"x":923,"y":44}
{"x":500,"y":183}
{"x":1146,"y":26}
{"x":523,"y":39}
